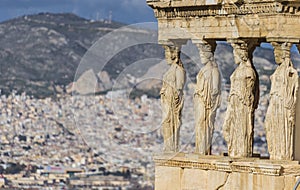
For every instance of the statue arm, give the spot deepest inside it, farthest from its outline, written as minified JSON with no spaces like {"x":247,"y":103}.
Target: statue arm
{"x":216,"y":88}
{"x":180,"y":80}
{"x":199,"y":85}
{"x":292,"y":88}
{"x":249,"y":90}
{"x":163,"y":89}
{"x":216,"y":83}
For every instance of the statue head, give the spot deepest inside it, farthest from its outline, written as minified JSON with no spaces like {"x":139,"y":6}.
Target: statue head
{"x":278,"y":54}
{"x":281,"y":52}
{"x":240,"y":53}
{"x":172,"y":54}
{"x":206,"y":53}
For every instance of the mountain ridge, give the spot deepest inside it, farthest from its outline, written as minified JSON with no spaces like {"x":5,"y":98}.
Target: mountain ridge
{"x":41,"y":51}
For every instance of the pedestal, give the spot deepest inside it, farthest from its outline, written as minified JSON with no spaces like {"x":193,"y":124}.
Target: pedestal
{"x":194,"y":172}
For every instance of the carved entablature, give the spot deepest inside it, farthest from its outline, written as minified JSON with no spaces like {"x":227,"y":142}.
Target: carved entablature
{"x":173,"y":9}
{"x":224,"y":19}
{"x":219,"y":10}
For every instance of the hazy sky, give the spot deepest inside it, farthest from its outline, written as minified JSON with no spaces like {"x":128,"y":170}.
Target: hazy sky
{"x":126,"y":11}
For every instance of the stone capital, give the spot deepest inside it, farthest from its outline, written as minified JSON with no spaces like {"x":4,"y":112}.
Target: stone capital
{"x":166,"y":43}
{"x":250,"y":42}
{"x":172,"y":52}
{"x":171,"y":48}
{"x":282,"y":51}
{"x":282,"y":45}
{"x":205,"y":45}
{"x":238,"y":44}
{"x":173,"y":42}
{"x":246,"y":44}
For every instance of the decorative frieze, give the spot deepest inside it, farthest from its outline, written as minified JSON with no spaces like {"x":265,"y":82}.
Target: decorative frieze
{"x":219,"y":10}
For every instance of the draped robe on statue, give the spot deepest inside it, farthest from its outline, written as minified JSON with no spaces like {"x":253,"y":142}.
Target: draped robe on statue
{"x":239,"y":119}
{"x":172,"y":103}
{"x":280,"y":117}
{"x":206,"y":102}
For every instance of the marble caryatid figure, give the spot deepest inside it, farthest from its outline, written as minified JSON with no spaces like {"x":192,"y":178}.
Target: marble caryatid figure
{"x":280,"y":117}
{"x":172,"y":99}
{"x":242,"y":102}
{"x":206,"y":99}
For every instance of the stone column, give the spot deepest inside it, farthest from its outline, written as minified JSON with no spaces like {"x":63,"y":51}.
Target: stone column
{"x":280,"y":116}
{"x":242,"y":102}
{"x":207,"y":97}
{"x":172,"y":98}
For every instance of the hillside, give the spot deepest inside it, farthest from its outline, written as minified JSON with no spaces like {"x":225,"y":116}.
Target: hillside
{"x":41,"y":51}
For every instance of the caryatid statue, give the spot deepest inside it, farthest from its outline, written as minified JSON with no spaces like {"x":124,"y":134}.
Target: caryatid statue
{"x":280,"y":117}
{"x":206,"y":98}
{"x":172,"y":99}
{"x":243,"y":100}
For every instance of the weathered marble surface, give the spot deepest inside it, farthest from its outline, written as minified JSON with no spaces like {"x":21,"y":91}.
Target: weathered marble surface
{"x":242,"y":102}
{"x":280,"y":117}
{"x":172,"y":99}
{"x":190,"y":19}
{"x":193,"y":171}
{"x":206,"y":99}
